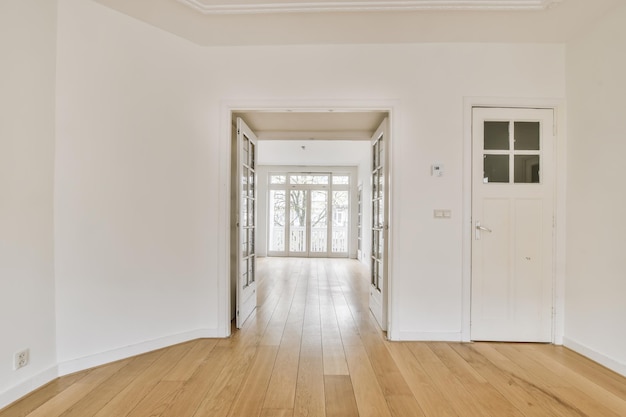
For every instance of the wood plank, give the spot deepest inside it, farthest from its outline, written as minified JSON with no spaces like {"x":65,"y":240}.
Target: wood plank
{"x":58,"y":404}
{"x":309,"y":395}
{"x":35,"y":399}
{"x":527,"y":397}
{"x":485,"y":393}
{"x":607,"y":399}
{"x":340,"y":399}
{"x":369,"y":396}
{"x":602,"y":376}
{"x":462,"y":398}
{"x":189,"y":363}
{"x":91,"y":403}
{"x":196,"y":388}
{"x":219,"y":400}
{"x":123,"y":403}
{"x":404,"y":406}
{"x":282,"y":385}
{"x":275,"y":412}
{"x":429,"y":398}
{"x":249,"y":402}
{"x":158,"y":399}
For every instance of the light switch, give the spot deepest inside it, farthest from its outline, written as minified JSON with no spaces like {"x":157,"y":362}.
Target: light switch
{"x":442,"y":214}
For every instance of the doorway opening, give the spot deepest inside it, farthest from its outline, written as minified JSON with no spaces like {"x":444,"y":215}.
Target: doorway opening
{"x":317,"y":221}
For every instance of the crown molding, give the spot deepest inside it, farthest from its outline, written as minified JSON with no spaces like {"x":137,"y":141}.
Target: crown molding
{"x":314,"y":6}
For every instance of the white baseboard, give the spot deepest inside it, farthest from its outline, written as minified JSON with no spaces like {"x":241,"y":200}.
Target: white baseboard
{"x":602,"y":359}
{"x":102,"y":358}
{"x":429,"y":336}
{"x":23,"y":388}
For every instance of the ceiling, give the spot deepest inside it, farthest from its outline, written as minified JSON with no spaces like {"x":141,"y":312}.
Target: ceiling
{"x":313,"y":125}
{"x":293,"y":22}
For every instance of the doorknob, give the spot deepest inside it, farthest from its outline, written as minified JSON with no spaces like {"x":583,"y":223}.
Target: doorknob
{"x":479,"y":229}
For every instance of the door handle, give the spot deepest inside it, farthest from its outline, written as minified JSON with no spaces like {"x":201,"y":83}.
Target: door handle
{"x":480,"y":228}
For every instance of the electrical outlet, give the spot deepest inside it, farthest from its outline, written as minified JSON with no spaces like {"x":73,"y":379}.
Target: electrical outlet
{"x":21,"y":359}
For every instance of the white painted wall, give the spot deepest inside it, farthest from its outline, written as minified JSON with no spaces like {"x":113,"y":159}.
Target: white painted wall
{"x":27,"y":62}
{"x":138,"y":168}
{"x":596,"y":228}
{"x":135,"y":211}
{"x":315,"y":152}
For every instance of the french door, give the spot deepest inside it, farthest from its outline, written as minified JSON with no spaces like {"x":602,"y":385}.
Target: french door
{"x":244,"y":234}
{"x":308,"y":215}
{"x":308,"y":222}
{"x":512,"y":215}
{"x":378,"y":265}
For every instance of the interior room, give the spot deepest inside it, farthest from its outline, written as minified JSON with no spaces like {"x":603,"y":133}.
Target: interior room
{"x":116,"y":122}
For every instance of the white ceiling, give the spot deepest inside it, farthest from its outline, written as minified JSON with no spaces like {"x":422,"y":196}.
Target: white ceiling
{"x":283,"y":22}
{"x":313,"y":125}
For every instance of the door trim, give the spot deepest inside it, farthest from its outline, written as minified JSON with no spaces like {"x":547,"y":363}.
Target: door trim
{"x":230,"y":106}
{"x":558,"y":276}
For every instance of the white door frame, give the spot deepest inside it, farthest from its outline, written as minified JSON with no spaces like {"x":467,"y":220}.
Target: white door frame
{"x":227,"y":108}
{"x":558,"y":106}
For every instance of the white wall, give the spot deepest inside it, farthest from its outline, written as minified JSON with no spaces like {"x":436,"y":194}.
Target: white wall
{"x":136,"y":236}
{"x":596,"y":227}
{"x":138,"y":169}
{"x":27,"y":51}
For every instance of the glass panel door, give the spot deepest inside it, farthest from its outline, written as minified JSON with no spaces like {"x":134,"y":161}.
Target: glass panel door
{"x":341,"y":216}
{"x":298,"y":222}
{"x":309,"y":214}
{"x":319,"y":222}
{"x":277,"y":230}
{"x":378,"y":279}
{"x":245,"y":266}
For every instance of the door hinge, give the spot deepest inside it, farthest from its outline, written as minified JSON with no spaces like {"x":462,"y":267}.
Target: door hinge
{"x":237,"y":312}
{"x":238,"y":132}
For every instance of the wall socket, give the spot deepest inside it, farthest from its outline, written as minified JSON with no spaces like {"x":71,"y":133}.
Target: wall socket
{"x":21,"y":359}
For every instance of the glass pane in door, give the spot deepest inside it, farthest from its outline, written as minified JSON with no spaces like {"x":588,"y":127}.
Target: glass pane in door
{"x":527,"y":136}
{"x":277,"y":220}
{"x":297,"y":221}
{"x":496,"y":136}
{"x":341,"y":217}
{"x":319,"y":221}
{"x":526,"y":169}
{"x":496,"y":168}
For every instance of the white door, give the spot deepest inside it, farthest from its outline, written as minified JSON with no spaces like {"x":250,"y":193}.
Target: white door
{"x":378,"y":287}
{"x":512,"y":215}
{"x":245,"y":265}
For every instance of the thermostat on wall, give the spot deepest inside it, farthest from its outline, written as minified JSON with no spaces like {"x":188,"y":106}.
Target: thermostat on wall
{"x":436,"y":170}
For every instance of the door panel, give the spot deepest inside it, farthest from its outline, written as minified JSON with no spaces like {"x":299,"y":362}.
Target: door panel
{"x":512,"y":212}
{"x":245,"y":266}
{"x":319,"y":222}
{"x":298,"y":214}
{"x":378,"y":266}
{"x":340,"y":225}
{"x":276,"y":222}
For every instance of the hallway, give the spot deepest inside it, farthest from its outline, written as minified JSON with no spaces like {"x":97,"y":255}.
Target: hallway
{"x":312,"y":348}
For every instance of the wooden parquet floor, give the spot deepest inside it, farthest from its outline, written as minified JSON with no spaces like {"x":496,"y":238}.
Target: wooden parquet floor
{"x":313,"y":349}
